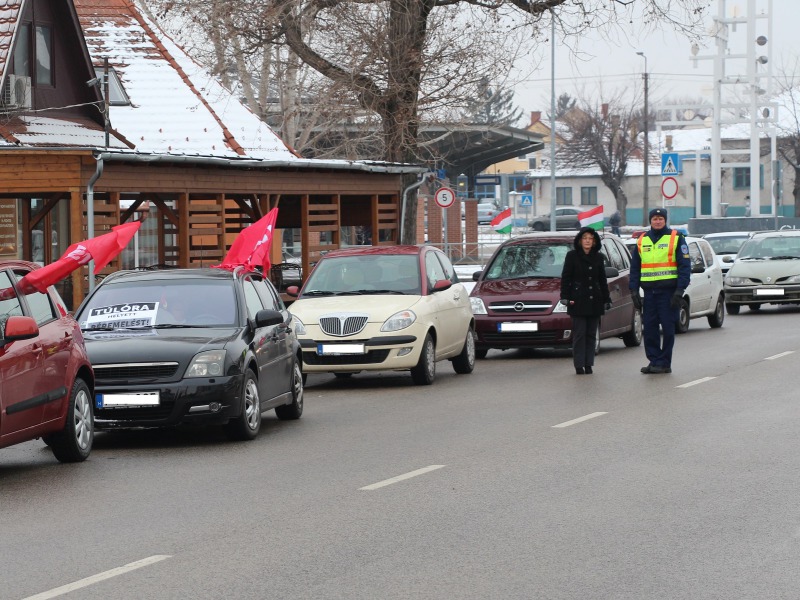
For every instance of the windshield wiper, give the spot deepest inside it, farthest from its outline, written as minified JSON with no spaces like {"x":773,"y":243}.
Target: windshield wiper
{"x":319,"y":293}
{"x":384,"y":292}
{"x":750,"y":258}
{"x":784,"y":257}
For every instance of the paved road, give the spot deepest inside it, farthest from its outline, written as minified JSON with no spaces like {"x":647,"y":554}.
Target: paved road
{"x":522,"y":480}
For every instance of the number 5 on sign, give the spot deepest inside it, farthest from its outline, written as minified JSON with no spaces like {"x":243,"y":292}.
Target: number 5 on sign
{"x":444,"y":197}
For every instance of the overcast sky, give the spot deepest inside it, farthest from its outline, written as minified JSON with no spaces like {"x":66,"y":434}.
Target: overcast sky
{"x":615,"y":66}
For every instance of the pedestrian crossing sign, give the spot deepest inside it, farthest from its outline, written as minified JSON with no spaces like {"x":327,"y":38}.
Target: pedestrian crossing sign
{"x":527,"y":200}
{"x":670,"y":164}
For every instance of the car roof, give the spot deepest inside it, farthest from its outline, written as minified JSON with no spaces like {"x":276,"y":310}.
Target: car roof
{"x":719,"y":234}
{"x":777,"y":233}
{"x":13,"y":263}
{"x":375,"y":250}
{"x":175,"y":273}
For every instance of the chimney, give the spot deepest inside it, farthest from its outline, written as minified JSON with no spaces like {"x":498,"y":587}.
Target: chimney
{"x":604,"y":110}
{"x":536,"y":116}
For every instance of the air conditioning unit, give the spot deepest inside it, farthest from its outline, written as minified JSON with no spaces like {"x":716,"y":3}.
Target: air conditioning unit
{"x":17,"y":92}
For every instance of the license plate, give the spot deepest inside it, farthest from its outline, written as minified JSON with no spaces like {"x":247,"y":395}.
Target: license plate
{"x":129,"y":400}
{"x":769,"y":292}
{"x":337,"y":349}
{"x":517,"y":327}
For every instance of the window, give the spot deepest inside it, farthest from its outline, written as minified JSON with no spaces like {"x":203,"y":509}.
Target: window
{"x":116,"y":93}
{"x":41,"y":307}
{"x":589,"y":196}
{"x":741,"y":177}
{"x":485,"y":191}
{"x":708,"y":253}
{"x":251,"y":299}
{"x":434,"y":269}
{"x":532,"y":162}
{"x":22,"y":51}
{"x":613,"y":254}
{"x":518,"y":183}
{"x":9,"y":307}
{"x":449,"y":271}
{"x":44,"y":56}
{"x":564,"y":196}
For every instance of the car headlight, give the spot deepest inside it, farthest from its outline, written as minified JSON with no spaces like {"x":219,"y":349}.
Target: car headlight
{"x":478,"y":307}
{"x":299,"y":328}
{"x":730,"y":280}
{"x":210,"y":363}
{"x":399,"y":321}
{"x":793,"y":279}
{"x":560,"y":307}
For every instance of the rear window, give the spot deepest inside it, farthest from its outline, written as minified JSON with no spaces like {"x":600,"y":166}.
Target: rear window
{"x":516,"y":261}
{"x":727,"y":245}
{"x":125,"y":305}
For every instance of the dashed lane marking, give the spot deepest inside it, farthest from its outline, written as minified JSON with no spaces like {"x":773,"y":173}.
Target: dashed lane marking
{"x":781,"y":355}
{"x":695,"y":382}
{"x":580,"y":419}
{"x":386,"y":482}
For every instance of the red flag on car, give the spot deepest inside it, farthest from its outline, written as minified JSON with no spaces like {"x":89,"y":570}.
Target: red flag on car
{"x":102,"y":249}
{"x":251,"y":247}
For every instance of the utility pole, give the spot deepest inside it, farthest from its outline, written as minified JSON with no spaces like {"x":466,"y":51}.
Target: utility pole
{"x":646,"y":194}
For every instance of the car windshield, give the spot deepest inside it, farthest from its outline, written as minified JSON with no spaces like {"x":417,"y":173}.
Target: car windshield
{"x":160,"y":303}
{"x":516,"y":261}
{"x":365,"y":274}
{"x":771,"y":248}
{"x":727,"y":244}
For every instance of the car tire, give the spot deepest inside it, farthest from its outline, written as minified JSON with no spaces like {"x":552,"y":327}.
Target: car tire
{"x":634,"y":336}
{"x":538,"y":226}
{"x":464,"y":363}
{"x":732,"y":309}
{"x":716,"y":318}
{"x":247,"y":424}
{"x":480,"y":353}
{"x":425,"y":371}
{"x":74,"y":442}
{"x":682,"y":324}
{"x":754,"y":307}
{"x":293,"y":410}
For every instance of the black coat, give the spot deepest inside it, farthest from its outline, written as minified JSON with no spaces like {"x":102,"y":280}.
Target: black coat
{"x":583,"y":280}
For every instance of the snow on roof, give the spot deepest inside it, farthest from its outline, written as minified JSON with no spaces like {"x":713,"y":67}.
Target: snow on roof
{"x":176,"y":106}
{"x":47,"y":132}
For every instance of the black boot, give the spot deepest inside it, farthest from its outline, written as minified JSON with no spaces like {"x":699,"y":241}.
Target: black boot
{"x":579,"y":371}
{"x":588,"y":370}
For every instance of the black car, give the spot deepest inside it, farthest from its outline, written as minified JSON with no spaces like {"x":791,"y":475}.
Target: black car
{"x":191,"y":346}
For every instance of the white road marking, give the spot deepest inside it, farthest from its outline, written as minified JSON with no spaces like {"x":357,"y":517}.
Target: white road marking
{"x":386,"y":482}
{"x":781,"y":355}
{"x":695,"y":382}
{"x":580,"y":419}
{"x":82,"y":583}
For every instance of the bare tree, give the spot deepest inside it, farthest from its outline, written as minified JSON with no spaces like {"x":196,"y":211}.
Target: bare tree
{"x":602,"y":137}
{"x":788,"y":124}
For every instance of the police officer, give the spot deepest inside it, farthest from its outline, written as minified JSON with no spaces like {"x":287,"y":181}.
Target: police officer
{"x":661,"y":267}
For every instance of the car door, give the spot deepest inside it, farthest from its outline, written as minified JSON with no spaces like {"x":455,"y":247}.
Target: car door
{"x":700,"y":287}
{"x":21,"y":365}
{"x":442,"y":306}
{"x":282,"y":337}
{"x":618,"y":317}
{"x":267,"y":352}
{"x":461,"y":315}
{"x":714,"y":270}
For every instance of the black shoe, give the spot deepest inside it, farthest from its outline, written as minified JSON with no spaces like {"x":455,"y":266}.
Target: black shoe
{"x":588,"y":370}
{"x":655,"y":369}
{"x":579,"y":371}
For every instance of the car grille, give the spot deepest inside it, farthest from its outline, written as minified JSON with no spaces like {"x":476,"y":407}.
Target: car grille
{"x":343,"y":324}
{"x":520,"y":307}
{"x":135,"y":371}
{"x":144,"y":413}
{"x":370,"y":358}
{"x":523,"y":337}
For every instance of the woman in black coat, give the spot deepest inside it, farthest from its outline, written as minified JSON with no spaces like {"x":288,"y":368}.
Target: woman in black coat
{"x":584,"y":290}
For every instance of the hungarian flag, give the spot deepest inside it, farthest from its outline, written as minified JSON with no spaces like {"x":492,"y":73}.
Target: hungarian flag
{"x":502,"y":222}
{"x":102,"y":249}
{"x":592,"y":218}
{"x":251,"y":247}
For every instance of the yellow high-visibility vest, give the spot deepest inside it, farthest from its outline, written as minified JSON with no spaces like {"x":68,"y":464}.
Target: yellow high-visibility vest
{"x":659,"y":259}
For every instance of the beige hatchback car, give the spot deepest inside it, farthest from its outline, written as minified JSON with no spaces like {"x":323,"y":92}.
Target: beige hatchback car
{"x":382,"y":308}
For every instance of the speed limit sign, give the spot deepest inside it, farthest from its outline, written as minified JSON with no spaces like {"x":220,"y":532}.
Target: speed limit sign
{"x":444,"y":197}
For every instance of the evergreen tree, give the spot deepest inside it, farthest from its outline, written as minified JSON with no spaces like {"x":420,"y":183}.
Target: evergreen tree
{"x":492,"y":106}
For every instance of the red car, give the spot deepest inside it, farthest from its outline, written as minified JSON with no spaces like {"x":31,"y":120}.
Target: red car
{"x":46,"y":379}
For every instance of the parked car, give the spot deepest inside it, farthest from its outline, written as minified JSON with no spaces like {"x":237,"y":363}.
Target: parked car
{"x":726,"y":245}
{"x":191,"y":346}
{"x":383,"y":308}
{"x":766,"y":271}
{"x":487,"y":211}
{"x":705,"y":296}
{"x":566,"y":219}
{"x":46,"y":379}
{"x":516,"y":297}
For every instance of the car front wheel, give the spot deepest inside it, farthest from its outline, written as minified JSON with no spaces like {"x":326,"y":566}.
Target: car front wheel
{"x":634,"y":336}
{"x":718,"y":316}
{"x":293,"y":410}
{"x":464,"y":363}
{"x":425,"y":371}
{"x":74,"y":442}
{"x":682,"y":326}
{"x":754,"y":306}
{"x":247,"y":424}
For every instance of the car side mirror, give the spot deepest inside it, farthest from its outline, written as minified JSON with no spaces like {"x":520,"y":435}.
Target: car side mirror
{"x":293,"y":291}
{"x":698,"y":267}
{"x":612,"y":272}
{"x":476,"y":275}
{"x":267,"y":317}
{"x":727,"y":258}
{"x":19,"y":328}
{"x":441,"y":285}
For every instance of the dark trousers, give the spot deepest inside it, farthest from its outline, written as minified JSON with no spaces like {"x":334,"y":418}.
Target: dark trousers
{"x":657,"y":312}
{"x":584,"y":338}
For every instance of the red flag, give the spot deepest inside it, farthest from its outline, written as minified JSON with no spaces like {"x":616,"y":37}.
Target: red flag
{"x":251,"y":247}
{"x":102,"y":249}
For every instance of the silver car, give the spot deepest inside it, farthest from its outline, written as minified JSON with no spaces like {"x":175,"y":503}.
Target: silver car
{"x":766,"y":271}
{"x":566,"y":219}
{"x":726,"y":245}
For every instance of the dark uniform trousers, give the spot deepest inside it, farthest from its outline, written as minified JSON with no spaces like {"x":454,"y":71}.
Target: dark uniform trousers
{"x":584,"y":340}
{"x":656,"y":310}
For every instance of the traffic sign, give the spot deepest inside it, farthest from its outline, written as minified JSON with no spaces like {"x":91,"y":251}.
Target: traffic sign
{"x":670,"y":164}
{"x":487,"y":179}
{"x":444,"y":197}
{"x":669,"y":187}
{"x":527,"y":200}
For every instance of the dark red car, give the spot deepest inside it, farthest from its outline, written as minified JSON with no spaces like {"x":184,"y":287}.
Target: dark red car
{"x":516,"y":298}
{"x":46,"y":379}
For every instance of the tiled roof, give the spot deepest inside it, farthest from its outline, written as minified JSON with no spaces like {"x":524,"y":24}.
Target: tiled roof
{"x":9,"y":10}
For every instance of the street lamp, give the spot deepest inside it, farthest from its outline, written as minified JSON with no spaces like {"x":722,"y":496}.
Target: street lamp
{"x":646,"y":195}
